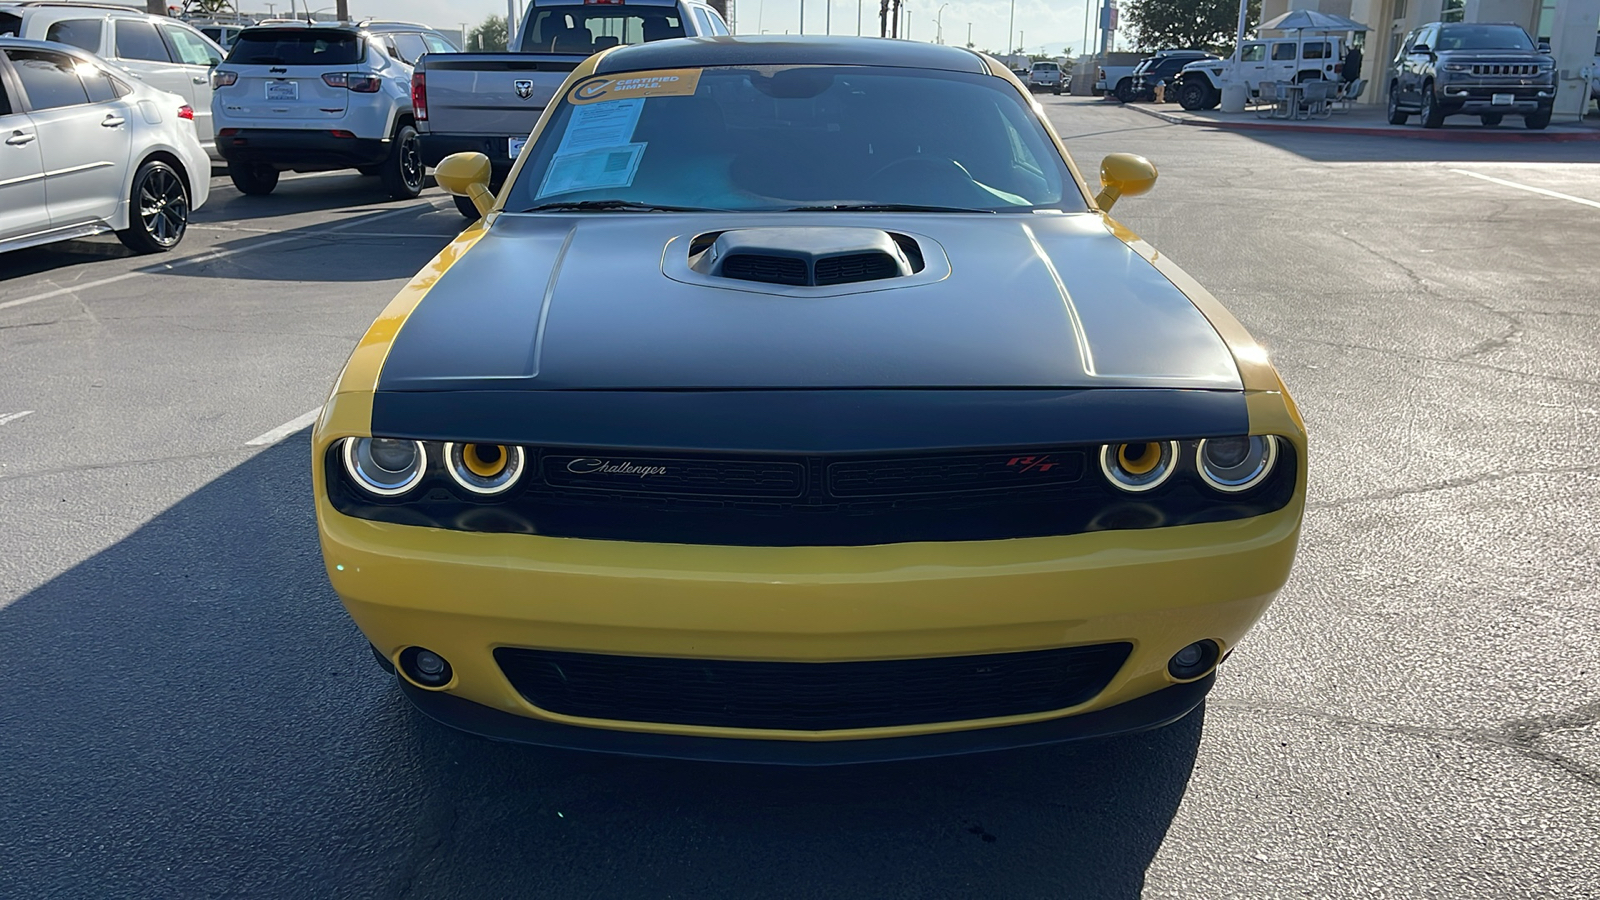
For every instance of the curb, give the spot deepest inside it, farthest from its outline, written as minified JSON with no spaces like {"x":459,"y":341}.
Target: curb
{"x":1482,"y":136}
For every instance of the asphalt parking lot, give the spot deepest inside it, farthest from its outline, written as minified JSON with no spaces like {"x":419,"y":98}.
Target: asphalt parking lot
{"x":187,"y":711}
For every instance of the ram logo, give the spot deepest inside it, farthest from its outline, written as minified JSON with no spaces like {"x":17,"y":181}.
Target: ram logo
{"x":523,"y":87}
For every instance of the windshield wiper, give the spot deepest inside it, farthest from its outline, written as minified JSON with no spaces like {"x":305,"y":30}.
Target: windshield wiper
{"x":586,"y":205}
{"x":885,"y":207}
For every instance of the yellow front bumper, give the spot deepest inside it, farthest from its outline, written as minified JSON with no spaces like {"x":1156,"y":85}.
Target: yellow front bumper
{"x":464,"y":594}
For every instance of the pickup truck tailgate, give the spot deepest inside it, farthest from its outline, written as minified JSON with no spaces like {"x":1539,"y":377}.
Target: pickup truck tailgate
{"x":491,"y":93}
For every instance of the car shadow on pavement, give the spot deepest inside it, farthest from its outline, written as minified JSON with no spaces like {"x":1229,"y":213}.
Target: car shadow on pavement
{"x":298,"y":194}
{"x":189,"y":712}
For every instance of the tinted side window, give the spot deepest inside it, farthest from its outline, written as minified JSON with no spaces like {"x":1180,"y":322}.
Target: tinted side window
{"x":187,"y":46}
{"x":138,"y":40}
{"x":49,"y":79}
{"x":1317,"y":50}
{"x":10,"y":24}
{"x":101,"y":87}
{"x":411,"y":47}
{"x":1283,"y":51}
{"x":81,"y":33}
{"x":701,"y":21}
{"x":718,"y":27}
{"x":1253,"y":53}
{"x":438,"y":44}
{"x":5,"y":102}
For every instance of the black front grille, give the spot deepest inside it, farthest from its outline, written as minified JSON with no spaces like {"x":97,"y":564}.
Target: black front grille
{"x":810,"y":696}
{"x":1503,"y":69}
{"x":858,"y":267}
{"x":766,"y":269}
{"x":782,"y":500}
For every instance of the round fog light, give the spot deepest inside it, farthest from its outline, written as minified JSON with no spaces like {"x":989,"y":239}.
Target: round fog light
{"x":1194,"y":660}
{"x":425,"y":667}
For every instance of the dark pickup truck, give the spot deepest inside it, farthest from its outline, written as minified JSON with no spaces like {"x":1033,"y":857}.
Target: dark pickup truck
{"x":489,"y":102}
{"x":1491,"y":71}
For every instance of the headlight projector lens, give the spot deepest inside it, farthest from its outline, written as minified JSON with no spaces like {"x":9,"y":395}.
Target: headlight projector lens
{"x":1140,"y":466}
{"x":484,"y":469}
{"x":1237,"y":463}
{"x":385,"y":466}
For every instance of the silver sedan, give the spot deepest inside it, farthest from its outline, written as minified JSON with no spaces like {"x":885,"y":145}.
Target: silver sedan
{"x":85,"y":150}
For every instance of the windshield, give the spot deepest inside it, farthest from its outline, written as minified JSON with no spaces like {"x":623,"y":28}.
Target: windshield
{"x":771,"y":138}
{"x":296,"y":47}
{"x":1483,"y":37}
{"x":590,"y":29}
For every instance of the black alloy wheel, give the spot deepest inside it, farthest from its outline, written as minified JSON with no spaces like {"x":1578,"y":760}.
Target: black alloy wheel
{"x":1490,"y":120}
{"x":403,"y":171}
{"x":1396,"y":117}
{"x":1192,"y":95}
{"x":1124,"y":91}
{"x":1432,"y":116}
{"x":1537,"y":121}
{"x":158,"y":209}
{"x":252,"y":178}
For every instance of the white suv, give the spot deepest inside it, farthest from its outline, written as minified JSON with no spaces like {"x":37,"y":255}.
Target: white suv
{"x":164,"y":53}
{"x":309,"y":98}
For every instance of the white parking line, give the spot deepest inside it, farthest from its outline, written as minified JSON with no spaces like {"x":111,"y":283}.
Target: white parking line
{"x":1529,"y":188}
{"x":8,"y":418}
{"x":284,"y":430}
{"x":209,"y":257}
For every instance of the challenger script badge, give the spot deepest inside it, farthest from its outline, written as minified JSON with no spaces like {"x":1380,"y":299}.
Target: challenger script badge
{"x":607,"y":467}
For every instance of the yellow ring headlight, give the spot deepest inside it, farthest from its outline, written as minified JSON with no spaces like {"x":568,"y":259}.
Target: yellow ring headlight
{"x":484,"y":469}
{"x":1139,"y":466}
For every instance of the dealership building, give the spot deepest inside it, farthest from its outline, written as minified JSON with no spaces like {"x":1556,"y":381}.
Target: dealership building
{"x":1569,"y":26}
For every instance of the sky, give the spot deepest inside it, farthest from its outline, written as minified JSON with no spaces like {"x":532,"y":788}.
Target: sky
{"x":1046,"y":27}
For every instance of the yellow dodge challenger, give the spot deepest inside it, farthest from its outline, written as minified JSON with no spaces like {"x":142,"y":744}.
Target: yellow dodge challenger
{"x":797,"y":401}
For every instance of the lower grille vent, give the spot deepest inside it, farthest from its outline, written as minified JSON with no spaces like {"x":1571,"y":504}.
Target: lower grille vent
{"x":810,"y":696}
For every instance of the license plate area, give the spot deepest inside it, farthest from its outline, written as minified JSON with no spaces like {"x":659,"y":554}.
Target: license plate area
{"x":514,"y":146}
{"x":1501,"y":99}
{"x":283,"y":90}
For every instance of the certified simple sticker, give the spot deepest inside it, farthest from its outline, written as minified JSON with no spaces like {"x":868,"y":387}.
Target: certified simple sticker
{"x":657,"y":83}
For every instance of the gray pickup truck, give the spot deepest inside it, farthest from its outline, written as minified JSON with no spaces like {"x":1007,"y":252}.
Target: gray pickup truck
{"x":489,"y":102}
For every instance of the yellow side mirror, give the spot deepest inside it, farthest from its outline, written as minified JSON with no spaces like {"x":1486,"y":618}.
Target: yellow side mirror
{"x":467,"y":175}
{"x":1121,"y":174}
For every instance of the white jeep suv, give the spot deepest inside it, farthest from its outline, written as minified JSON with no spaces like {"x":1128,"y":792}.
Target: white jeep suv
{"x":310,"y":98}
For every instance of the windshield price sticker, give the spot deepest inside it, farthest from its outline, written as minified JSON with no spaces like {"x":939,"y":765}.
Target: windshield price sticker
{"x":604,"y":167}
{"x":601,"y":125}
{"x":657,"y":83}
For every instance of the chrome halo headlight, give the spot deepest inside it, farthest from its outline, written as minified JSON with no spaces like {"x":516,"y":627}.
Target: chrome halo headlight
{"x":1139,"y":466}
{"x":387,"y":467}
{"x":1236,"y":464}
{"x":484,"y":469}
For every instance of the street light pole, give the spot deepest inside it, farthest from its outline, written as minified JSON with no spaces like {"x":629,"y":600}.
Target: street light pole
{"x":827,"y":18}
{"x":1011,"y":24}
{"x":802,"y":16}
{"x":938,"y":25}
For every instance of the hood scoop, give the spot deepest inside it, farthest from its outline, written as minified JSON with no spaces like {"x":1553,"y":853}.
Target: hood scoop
{"x":804,"y":256}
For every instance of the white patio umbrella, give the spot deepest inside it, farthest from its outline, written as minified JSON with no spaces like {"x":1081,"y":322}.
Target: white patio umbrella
{"x":1311,"y":20}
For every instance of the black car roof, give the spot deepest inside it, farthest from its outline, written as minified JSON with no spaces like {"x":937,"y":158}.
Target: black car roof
{"x":756,"y":50}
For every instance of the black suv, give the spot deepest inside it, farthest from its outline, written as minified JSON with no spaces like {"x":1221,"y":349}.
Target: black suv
{"x":1490,"y":71}
{"x":1164,"y":66}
